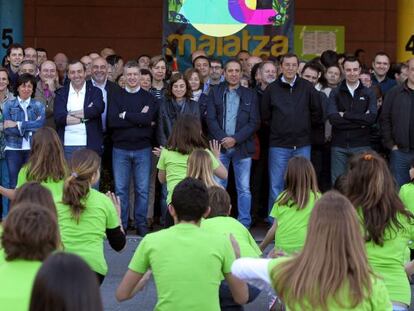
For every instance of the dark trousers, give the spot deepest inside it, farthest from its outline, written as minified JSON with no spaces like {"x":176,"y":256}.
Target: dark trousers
{"x":321,"y":160}
{"x":260,"y":186}
{"x":227,"y":302}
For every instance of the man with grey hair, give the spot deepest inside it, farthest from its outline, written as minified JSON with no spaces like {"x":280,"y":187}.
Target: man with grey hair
{"x":131,"y":119}
{"x":260,"y":176}
{"x":268,"y":72}
{"x":109,"y":90}
{"x":87,"y":62}
{"x":45,"y":89}
{"x":28,"y":66}
{"x":99,"y":71}
{"x":61,"y":61}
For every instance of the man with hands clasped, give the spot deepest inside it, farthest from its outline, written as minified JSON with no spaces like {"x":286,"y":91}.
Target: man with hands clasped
{"x":131,"y":118}
{"x":77,"y":110}
{"x":232,"y":119}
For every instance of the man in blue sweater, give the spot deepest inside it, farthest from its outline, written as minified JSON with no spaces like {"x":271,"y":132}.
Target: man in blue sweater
{"x":131,"y":117}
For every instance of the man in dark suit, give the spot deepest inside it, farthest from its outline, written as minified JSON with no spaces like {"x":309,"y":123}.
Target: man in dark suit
{"x":110,"y":91}
{"x":78,"y":112}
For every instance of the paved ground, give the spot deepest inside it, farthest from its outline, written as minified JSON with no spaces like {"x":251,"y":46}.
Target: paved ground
{"x":145,"y":300}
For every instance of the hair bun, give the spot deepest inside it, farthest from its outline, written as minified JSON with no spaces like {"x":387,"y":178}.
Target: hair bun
{"x":368,"y":157}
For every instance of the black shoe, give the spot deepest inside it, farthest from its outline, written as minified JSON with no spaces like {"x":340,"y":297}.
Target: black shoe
{"x":142,"y":230}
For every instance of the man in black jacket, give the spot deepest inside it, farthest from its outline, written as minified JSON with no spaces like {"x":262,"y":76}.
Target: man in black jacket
{"x":397,"y":126}
{"x":110,"y":90}
{"x":352,"y":110}
{"x":131,"y":118}
{"x":232,"y":119}
{"x":290,"y":106}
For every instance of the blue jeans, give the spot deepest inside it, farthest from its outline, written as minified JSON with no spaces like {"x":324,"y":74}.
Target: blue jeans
{"x":241,"y":169}
{"x":4,"y":181}
{"x":278,"y":161}
{"x":15,"y":160}
{"x":400,"y":165}
{"x":137,"y":162}
{"x":69,"y":150}
{"x":340,"y":157}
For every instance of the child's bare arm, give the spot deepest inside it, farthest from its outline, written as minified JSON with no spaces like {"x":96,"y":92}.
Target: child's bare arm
{"x":238,"y":288}
{"x":129,"y":285}
{"x":270,"y":235}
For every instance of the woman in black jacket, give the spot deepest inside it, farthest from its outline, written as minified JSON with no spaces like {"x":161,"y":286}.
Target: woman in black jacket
{"x":177,"y":102}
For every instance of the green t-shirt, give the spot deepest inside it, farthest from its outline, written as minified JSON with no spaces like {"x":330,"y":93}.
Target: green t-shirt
{"x":229,"y":225}
{"x":378,"y":300}
{"x":188,"y":264}
{"x":55,"y":187}
{"x":2,"y":254}
{"x":292,"y":224}
{"x":388,"y":260}
{"x":175,"y":166}
{"x":86,"y":237}
{"x":16,"y":284}
{"x":407,"y":196}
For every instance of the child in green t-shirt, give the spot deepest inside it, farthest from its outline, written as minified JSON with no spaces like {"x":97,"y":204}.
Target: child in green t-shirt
{"x":65,"y":282}
{"x":46,"y":164}
{"x":30,"y":234}
{"x":187,"y":262}
{"x":186,"y":136}
{"x":407,"y":190}
{"x":220,"y":222}
{"x":293,"y":207}
{"x":331,"y":272}
{"x":86,"y":216}
{"x":387,"y":225}
{"x":200,"y":165}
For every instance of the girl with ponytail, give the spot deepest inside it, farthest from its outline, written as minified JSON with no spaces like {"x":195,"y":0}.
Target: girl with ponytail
{"x":87,"y":216}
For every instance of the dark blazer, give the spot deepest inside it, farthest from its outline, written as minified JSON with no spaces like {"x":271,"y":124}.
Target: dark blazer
{"x":93,"y":107}
{"x":248,"y":119}
{"x":112,"y":93}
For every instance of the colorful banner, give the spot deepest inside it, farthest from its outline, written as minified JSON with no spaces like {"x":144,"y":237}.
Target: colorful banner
{"x":224,"y":27}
